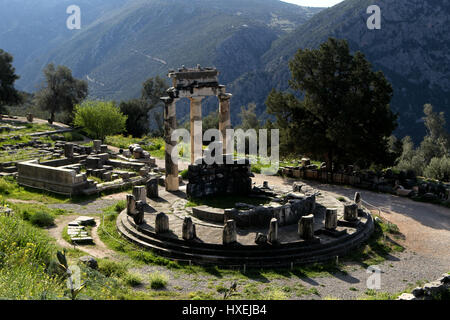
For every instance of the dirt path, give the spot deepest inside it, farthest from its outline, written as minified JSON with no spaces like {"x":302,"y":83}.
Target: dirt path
{"x":39,"y":121}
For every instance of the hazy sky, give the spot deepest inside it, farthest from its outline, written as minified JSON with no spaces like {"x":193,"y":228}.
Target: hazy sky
{"x":314,"y":3}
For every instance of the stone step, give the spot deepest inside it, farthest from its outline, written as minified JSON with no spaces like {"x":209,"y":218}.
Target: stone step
{"x":78,"y":233}
{"x":86,"y":221}
{"x":83,"y":240}
{"x":273,"y":258}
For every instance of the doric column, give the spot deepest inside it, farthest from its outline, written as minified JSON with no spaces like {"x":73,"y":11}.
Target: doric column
{"x":196,"y":130}
{"x":224,"y":117}
{"x":170,"y":124}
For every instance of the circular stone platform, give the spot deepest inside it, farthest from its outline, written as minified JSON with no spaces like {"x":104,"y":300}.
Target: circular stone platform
{"x":207,"y":248}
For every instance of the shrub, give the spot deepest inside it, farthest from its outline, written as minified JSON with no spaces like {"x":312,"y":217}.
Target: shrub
{"x":73,"y":136}
{"x":5,"y":187}
{"x":158,"y":281}
{"x":439,"y":169}
{"x":111,"y":268}
{"x":120,"y":206}
{"x":42,"y":219}
{"x":99,"y":118}
{"x":132,"y":279}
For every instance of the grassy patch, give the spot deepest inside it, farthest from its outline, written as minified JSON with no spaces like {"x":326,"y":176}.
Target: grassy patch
{"x":112,"y":268}
{"x":132,"y":279}
{"x":65,"y":235}
{"x":38,"y":214}
{"x":371,"y":294}
{"x":10,"y":189}
{"x":111,"y":237}
{"x":26,"y":253}
{"x":73,"y":136}
{"x":158,"y":281}
{"x":202,"y":295}
{"x":379,"y":246}
{"x":253,"y":291}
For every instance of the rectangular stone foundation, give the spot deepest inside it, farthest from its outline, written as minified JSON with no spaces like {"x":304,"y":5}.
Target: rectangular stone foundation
{"x":57,"y":180}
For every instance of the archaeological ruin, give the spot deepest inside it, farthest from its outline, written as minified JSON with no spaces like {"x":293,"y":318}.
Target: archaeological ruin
{"x":85,"y":170}
{"x":291,"y":225}
{"x":194,"y":84}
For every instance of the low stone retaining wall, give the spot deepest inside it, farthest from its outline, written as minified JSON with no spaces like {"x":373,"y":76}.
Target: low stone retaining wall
{"x":208,"y":214}
{"x":403,"y":184}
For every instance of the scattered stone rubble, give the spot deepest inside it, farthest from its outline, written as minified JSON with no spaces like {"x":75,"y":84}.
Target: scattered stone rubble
{"x":136,"y":153}
{"x":430,"y":290}
{"x":65,"y":175}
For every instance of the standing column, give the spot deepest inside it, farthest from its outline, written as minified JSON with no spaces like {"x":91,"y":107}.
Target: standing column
{"x":170,"y":124}
{"x":196,"y":129}
{"x":224,"y":118}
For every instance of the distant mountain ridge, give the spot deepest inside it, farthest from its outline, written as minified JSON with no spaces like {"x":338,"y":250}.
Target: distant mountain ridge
{"x":124,"y":42}
{"x":136,"y":39}
{"x":412,"y":49}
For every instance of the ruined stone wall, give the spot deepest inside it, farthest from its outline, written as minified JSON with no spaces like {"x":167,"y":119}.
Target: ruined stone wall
{"x":219,"y":179}
{"x":402,"y":184}
{"x":286,"y":214}
{"x":58,"y":180}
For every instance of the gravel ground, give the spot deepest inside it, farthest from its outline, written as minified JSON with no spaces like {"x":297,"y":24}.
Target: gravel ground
{"x":397,"y":273}
{"x":87,"y":207}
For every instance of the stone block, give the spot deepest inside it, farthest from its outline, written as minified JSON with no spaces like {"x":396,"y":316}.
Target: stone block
{"x":434,"y":288}
{"x":229,"y":232}
{"x":350,"y":212}
{"x":138,"y":217}
{"x":297,"y":187}
{"x":140,"y":193}
{"x":162,"y":223}
{"x":131,"y":205}
{"x":404,"y":192}
{"x":107,"y":176}
{"x":89,"y":261}
{"x":273,"y":231}
{"x":306,"y":227}
{"x":331,"y":219}
{"x":260,"y":239}
{"x":93,"y":163}
{"x":188,"y":229}
{"x":68,"y":150}
{"x":358,"y":200}
{"x":86,"y":221}
{"x":418,"y":292}
{"x":143,"y":172}
{"x":97,"y":145}
{"x":152,"y":188}
{"x":407,"y":297}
